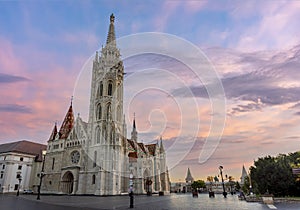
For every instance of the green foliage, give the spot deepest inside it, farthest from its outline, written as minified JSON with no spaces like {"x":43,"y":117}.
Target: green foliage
{"x":237,"y":186}
{"x":198,"y":184}
{"x":274,"y":175}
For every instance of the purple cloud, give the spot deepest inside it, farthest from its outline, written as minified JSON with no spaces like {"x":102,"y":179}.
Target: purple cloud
{"x":7,"y":78}
{"x":15,"y":108}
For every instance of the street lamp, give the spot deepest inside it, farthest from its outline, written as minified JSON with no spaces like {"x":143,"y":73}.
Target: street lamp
{"x":41,"y":174}
{"x":221,"y":173}
{"x":250,"y":185}
{"x":20,"y":179}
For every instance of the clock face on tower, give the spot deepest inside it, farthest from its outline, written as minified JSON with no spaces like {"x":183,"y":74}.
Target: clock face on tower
{"x":75,"y":156}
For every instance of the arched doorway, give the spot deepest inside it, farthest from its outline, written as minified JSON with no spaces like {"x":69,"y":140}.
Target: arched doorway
{"x":67,"y":182}
{"x":147,"y":182}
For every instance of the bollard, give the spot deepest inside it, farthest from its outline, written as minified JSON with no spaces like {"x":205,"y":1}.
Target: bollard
{"x":131,"y":200}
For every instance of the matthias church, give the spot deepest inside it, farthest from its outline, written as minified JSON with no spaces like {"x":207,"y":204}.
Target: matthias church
{"x":96,"y":157}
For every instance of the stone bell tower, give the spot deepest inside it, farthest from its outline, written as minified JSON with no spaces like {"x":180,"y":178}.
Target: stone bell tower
{"x":106,"y":124}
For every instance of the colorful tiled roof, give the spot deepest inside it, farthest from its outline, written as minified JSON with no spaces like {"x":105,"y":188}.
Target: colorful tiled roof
{"x":151,"y":148}
{"x":131,"y":143}
{"x":142,"y":146}
{"x":67,"y":125}
{"x":132,"y":156}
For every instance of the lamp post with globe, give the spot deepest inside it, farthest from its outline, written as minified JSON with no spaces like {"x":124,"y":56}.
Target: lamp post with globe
{"x":41,"y":174}
{"x":221,"y":173}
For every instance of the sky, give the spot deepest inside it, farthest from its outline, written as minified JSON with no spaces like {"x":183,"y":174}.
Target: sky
{"x":253,"y":49}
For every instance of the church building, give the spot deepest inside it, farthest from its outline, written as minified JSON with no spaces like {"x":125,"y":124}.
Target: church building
{"x":96,"y":157}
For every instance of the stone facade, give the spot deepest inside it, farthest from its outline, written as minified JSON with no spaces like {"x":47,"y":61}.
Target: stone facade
{"x":95,"y":157}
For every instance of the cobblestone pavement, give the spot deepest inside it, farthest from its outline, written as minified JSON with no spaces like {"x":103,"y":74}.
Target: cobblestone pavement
{"x":173,"y":201}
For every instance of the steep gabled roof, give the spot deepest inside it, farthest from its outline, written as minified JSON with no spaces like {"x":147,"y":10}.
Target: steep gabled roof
{"x":53,"y":133}
{"x":131,"y":144}
{"x":142,"y":146}
{"x":151,"y":148}
{"x":68,"y":124}
{"x":24,"y":147}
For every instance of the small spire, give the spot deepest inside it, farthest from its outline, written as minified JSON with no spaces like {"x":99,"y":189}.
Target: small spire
{"x":161,"y":148}
{"x":96,"y":56}
{"x":189,"y":177}
{"x":134,"y":127}
{"x":72,"y":100}
{"x":134,"y":132}
{"x":244,"y":175}
{"x":112,"y":18}
{"x":111,"y":36}
{"x":53,"y":133}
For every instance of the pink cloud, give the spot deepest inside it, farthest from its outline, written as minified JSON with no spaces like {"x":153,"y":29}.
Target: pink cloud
{"x":46,"y":94}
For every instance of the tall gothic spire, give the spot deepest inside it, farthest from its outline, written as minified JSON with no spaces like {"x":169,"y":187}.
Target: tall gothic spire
{"x":111,"y":36}
{"x":134,"y":132}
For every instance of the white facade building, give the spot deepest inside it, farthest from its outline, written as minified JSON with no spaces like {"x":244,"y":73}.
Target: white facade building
{"x":18,"y":163}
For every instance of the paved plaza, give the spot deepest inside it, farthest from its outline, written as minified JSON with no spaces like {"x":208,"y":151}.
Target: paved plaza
{"x":173,"y":201}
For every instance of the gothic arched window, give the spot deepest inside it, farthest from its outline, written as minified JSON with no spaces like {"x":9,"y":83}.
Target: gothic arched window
{"x":104,"y":132}
{"x":99,"y":112}
{"x":93,"y":179}
{"x":98,"y":135}
{"x":108,"y":111}
{"x":109,"y":90}
{"x":95,"y":159}
{"x":101,"y":89}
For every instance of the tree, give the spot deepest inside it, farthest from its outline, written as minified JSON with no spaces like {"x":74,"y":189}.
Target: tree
{"x":198,"y":184}
{"x":273,"y":175}
{"x":210,"y":179}
{"x":237,"y":186}
{"x":231,"y":183}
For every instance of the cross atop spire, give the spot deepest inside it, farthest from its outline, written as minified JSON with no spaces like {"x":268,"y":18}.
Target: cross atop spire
{"x":111,"y":36}
{"x":112,"y":18}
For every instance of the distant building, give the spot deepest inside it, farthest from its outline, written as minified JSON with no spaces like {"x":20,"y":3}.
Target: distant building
{"x":20,"y":161}
{"x":244,"y":175}
{"x":178,"y":187}
{"x":183,"y":187}
{"x":217,"y":186}
{"x":188,"y":181}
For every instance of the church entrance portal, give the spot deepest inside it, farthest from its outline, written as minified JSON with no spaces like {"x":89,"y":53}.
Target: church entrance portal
{"x":67,"y":182}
